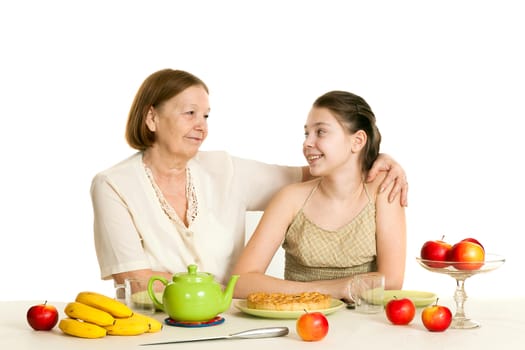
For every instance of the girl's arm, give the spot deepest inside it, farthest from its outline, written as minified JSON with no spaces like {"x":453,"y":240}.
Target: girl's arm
{"x":391,"y":240}
{"x":263,"y":244}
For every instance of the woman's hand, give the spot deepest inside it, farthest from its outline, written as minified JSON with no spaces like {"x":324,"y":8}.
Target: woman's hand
{"x":395,"y":173}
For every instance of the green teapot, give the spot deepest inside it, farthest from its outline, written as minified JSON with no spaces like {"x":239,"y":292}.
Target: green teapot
{"x":192,"y":296}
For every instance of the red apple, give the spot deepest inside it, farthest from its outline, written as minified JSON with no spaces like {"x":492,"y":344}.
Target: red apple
{"x":400,"y":311}
{"x":436,"y":250}
{"x":42,"y":317}
{"x":312,"y":326}
{"x":436,"y":318}
{"x":467,"y":255}
{"x":473,"y":240}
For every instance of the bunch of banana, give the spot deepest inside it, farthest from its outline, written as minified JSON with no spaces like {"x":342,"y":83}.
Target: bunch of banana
{"x":94,"y":315}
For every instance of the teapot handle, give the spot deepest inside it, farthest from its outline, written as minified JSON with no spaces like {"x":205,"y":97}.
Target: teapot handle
{"x":151,"y":292}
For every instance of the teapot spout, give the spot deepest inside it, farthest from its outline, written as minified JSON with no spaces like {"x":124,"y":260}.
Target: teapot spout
{"x":228,"y":293}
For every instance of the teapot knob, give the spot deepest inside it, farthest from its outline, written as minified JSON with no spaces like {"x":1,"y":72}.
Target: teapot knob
{"x":192,"y":269}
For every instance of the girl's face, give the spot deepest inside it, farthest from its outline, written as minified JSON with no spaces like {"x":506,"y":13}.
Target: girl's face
{"x":327,"y":145}
{"x":180,"y":124}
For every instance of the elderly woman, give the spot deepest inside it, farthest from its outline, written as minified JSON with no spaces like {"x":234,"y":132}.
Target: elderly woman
{"x":170,"y":205}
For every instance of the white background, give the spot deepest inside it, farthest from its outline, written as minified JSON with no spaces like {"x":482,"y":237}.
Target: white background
{"x":445,"y":79}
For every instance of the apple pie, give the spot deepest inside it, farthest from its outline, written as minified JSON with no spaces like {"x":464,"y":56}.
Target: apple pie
{"x":288,"y":302}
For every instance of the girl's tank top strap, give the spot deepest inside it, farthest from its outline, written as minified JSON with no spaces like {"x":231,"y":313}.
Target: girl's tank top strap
{"x":311,"y":193}
{"x":366,"y":191}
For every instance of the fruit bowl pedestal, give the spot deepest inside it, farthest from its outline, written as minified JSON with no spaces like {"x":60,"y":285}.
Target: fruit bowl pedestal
{"x":467,"y":269}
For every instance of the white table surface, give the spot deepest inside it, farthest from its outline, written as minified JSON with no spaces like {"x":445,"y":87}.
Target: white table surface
{"x":502,"y":327}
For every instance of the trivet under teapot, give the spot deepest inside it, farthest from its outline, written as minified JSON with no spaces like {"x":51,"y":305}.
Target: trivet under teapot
{"x":213,"y":322}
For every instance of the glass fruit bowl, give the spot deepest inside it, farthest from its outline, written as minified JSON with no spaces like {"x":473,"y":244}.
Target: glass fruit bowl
{"x":460,"y":271}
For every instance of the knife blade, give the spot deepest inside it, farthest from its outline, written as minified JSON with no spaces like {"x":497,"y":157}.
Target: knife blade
{"x":267,"y":332}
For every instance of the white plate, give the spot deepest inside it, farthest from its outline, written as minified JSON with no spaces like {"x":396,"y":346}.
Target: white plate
{"x":242,"y":305}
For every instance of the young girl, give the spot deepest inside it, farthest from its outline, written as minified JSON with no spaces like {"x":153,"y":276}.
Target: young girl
{"x":336,"y":225}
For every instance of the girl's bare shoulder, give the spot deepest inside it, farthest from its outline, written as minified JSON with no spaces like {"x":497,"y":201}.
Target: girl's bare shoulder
{"x":297,"y":192}
{"x":374,"y":186}
{"x":299,"y":188}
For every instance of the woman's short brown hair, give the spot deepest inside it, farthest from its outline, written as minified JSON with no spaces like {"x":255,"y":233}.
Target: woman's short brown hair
{"x":156,"y":89}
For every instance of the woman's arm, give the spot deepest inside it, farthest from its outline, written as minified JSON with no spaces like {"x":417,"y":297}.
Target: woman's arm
{"x":117,"y":242}
{"x":395,"y":174}
{"x":143,"y":275}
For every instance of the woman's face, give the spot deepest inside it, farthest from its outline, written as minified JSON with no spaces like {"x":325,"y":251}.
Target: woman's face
{"x":180,"y":123}
{"x":326,"y":145}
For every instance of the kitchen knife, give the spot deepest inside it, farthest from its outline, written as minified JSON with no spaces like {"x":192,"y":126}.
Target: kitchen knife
{"x":249,"y":334}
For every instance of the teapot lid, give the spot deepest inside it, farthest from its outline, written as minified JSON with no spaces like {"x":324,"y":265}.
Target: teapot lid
{"x":192,"y":275}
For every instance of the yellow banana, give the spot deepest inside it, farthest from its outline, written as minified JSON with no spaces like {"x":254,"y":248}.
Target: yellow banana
{"x":81,"y":329}
{"x":128,"y":326}
{"x":88,"y":313}
{"x":105,"y":303}
{"x":154,"y":324}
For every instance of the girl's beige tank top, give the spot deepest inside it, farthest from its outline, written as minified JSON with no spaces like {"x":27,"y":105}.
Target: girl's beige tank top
{"x":312,"y":253}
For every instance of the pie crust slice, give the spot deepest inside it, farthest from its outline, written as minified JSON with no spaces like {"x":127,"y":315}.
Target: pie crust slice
{"x":288,"y":302}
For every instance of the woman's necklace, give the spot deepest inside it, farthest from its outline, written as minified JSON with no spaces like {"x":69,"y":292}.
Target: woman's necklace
{"x":190,"y":195}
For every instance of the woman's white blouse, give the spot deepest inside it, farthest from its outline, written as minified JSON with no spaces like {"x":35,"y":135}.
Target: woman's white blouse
{"x":132,"y":230}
